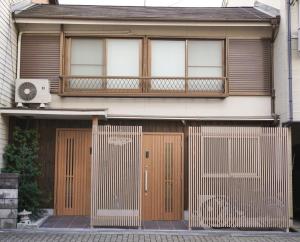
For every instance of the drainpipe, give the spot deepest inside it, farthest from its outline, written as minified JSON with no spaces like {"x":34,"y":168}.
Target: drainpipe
{"x":290,"y":74}
{"x":19,"y":54}
{"x":298,"y":25}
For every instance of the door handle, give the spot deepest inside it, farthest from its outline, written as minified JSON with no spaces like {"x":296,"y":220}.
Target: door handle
{"x":146,"y":181}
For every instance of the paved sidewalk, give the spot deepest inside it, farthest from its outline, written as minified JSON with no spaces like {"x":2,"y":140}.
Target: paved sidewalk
{"x":62,"y":235}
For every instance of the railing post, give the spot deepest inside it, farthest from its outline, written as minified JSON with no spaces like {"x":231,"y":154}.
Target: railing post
{"x":226,"y":86}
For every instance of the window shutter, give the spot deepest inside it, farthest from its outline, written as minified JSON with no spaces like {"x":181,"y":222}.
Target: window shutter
{"x":249,"y":67}
{"x":40,"y":58}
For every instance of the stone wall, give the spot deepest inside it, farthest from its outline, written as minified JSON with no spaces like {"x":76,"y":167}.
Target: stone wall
{"x":8,"y":200}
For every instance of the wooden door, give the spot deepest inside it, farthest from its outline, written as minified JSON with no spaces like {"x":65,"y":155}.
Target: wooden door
{"x":162,"y":176}
{"x":72,"y":172}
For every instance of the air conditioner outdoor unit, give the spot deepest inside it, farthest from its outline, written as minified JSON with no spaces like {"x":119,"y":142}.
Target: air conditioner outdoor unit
{"x":35,"y":91}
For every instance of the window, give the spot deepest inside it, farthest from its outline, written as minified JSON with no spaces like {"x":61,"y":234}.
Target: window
{"x":123,"y":59}
{"x":86,"y":60}
{"x":199,"y":60}
{"x":96,"y":59}
{"x":167,"y":60}
{"x":205,"y":60}
{"x":235,"y":161}
{"x":86,"y":57}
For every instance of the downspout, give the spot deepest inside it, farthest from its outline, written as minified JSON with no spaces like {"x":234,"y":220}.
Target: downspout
{"x":290,"y":74}
{"x":19,"y":54}
{"x":298,"y":25}
{"x":275,"y":26}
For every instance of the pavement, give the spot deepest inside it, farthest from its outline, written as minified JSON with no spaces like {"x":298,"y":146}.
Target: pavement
{"x":144,"y":236}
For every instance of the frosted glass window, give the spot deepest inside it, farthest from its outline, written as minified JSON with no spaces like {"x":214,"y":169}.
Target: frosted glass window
{"x":123,"y":59}
{"x":167,"y":60}
{"x":86,"y":59}
{"x":205,"y":59}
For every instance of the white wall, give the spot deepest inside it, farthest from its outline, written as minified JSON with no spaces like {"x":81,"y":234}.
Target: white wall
{"x":171,"y":107}
{"x":8,"y":45}
{"x":295,"y":63}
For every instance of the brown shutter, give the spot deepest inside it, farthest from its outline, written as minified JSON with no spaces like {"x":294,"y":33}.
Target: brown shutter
{"x":249,"y":67}
{"x":40,"y":58}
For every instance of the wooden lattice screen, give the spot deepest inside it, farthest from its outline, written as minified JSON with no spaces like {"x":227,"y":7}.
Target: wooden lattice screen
{"x":239,"y":177}
{"x":116,"y":179}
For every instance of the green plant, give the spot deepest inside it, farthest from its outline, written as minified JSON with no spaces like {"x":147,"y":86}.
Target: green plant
{"x":21,"y":156}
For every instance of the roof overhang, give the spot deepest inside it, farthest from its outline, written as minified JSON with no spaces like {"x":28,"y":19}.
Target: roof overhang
{"x":143,"y":23}
{"x":72,"y":114}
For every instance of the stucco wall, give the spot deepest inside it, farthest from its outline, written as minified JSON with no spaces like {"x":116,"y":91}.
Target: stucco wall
{"x":171,"y":107}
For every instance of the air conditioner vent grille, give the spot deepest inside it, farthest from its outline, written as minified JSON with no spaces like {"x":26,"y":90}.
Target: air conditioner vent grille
{"x":27,"y":91}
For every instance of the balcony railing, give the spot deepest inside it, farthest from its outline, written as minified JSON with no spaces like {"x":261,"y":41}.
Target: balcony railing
{"x":144,"y":86}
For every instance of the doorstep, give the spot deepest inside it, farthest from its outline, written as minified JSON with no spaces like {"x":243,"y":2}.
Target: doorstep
{"x":83,"y":222}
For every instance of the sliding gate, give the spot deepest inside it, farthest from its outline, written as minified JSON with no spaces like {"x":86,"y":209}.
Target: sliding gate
{"x":116,"y":169}
{"x":239,"y":177}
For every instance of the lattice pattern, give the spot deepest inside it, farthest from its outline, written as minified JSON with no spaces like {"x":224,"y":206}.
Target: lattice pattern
{"x":206,"y":85}
{"x":168,"y":84}
{"x":122,"y":83}
{"x":147,"y":85}
{"x":238,"y":177}
{"x":84,"y":83}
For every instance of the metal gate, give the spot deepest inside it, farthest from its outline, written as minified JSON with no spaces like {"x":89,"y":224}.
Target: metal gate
{"x":239,"y":177}
{"x":116,"y":179}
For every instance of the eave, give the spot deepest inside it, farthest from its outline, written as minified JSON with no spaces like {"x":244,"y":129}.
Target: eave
{"x":143,"y":23}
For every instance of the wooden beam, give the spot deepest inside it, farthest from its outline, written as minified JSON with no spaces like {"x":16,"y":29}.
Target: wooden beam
{"x":95,"y":122}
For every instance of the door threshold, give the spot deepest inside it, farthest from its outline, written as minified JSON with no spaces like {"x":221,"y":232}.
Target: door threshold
{"x":165,"y":225}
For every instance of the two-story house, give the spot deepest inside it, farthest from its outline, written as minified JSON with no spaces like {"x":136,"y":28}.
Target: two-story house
{"x":157,"y":113}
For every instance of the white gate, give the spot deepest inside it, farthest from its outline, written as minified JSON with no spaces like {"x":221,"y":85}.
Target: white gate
{"x":116,"y":169}
{"x":239,"y":177}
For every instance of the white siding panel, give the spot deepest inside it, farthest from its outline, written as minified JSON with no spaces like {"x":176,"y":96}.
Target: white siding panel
{"x":8,"y":50}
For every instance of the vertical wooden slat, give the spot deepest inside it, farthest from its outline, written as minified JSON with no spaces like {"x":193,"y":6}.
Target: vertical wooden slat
{"x":116,"y":179}
{"x":239,"y":177}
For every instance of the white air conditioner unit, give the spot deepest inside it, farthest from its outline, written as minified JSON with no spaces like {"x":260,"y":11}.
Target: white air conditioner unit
{"x":32,"y":91}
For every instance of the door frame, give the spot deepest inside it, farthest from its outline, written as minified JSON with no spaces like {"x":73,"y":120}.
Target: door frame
{"x":181,"y":164}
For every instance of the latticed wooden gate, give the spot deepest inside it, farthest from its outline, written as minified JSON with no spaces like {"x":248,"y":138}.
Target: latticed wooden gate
{"x":239,"y":177}
{"x":116,"y":179}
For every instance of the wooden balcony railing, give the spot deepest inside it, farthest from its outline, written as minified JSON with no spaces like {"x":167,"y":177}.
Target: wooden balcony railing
{"x":144,"y":86}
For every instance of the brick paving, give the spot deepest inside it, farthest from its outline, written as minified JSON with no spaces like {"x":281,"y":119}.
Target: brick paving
{"x":52,"y":235}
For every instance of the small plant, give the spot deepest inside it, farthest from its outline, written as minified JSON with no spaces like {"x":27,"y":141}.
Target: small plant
{"x":21,"y":156}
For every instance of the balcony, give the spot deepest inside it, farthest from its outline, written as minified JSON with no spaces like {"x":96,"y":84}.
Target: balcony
{"x":144,"y":86}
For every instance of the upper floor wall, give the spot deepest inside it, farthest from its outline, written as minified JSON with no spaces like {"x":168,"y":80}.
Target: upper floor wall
{"x":228,"y":69}
{"x":150,"y":61}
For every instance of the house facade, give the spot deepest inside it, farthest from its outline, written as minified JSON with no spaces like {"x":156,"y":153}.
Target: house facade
{"x":156,"y":114}
{"x":286,"y":72}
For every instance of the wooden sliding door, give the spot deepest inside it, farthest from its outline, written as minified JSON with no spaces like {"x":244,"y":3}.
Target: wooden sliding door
{"x":72,"y":172}
{"x":162,"y":190}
